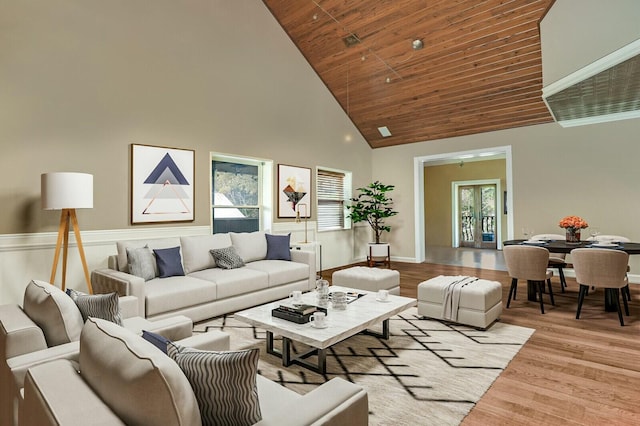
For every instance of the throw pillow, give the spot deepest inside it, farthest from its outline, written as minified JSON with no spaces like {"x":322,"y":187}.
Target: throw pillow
{"x":224,"y":383}
{"x":51,"y":309}
{"x":227,"y":258}
{"x":278,"y":247}
{"x":157,"y":340}
{"x":103,"y":306}
{"x":142,"y":262}
{"x":169,"y":262}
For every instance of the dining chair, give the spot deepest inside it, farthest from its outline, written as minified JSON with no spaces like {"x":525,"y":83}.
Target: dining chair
{"x":612,"y":238}
{"x":626,"y":292}
{"x":604,"y":268}
{"x":528,"y":263}
{"x":556,"y":260}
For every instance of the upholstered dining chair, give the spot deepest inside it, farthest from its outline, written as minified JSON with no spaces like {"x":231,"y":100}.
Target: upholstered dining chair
{"x":626,"y":292}
{"x":528,"y":263}
{"x":556,"y":260}
{"x":604,"y":268}
{"x":612,"y":238}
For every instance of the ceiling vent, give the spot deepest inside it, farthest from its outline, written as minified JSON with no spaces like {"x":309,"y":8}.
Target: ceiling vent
{"x":606,"y":90}
{"x":351,"y":40}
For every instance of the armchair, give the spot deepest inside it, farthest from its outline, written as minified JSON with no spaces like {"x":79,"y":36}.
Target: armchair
{"x":110,"y":395}
{"x":47,"y":327}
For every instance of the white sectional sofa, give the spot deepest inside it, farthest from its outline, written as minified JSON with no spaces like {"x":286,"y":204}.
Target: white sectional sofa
{"x":207,"y":290}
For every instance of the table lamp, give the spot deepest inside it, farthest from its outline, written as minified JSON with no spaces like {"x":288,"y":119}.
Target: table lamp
{"x":67,"y":191}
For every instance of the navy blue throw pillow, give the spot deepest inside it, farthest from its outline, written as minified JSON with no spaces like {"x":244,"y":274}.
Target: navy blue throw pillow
{"x":158,"y":341}
{"x":278,"y":247}
{"x":169,"y":262}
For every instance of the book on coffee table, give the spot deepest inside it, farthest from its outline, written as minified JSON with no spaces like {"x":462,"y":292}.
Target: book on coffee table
{"x":299,"y":308}
{"x":285,"y":312}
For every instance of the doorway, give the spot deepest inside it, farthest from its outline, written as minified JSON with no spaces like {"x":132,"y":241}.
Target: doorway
{"x":477,"y":215}
{"x":419,"y":164}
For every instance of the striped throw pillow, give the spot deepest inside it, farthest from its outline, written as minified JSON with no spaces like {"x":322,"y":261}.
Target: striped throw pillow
{"x":224,"y":383}
{"x":104,"y":306}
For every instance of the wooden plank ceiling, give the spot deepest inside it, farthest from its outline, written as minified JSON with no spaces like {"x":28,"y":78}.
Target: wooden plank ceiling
{"x":480,"y":68}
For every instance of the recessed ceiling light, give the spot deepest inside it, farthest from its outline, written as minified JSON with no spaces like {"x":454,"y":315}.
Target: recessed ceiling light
{"x":384,"y":131}
{"x":417,"y":44}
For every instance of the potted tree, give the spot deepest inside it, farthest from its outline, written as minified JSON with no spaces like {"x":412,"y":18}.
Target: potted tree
{"x":372,"y":205}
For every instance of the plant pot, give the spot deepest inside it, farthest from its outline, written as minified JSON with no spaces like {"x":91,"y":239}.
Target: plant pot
{"x":379,"y":253}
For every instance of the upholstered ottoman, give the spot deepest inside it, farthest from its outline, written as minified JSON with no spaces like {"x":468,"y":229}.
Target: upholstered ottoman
{"x":460,"y":299}
{"x":365,"y":278}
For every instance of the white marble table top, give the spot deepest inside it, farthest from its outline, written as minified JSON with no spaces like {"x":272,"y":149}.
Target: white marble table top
{"x":359,"y":315}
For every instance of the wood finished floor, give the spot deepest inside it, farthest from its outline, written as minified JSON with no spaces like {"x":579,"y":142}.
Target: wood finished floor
{"x":570,"y":372}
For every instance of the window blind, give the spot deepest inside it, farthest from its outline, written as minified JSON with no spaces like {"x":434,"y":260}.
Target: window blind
{"x":330,"y":200}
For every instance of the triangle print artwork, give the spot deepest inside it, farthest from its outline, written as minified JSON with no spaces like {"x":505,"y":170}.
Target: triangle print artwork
{"x":165,"y":194}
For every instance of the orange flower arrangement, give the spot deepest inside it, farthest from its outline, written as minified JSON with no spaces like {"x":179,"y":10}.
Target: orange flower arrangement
{"x":573,"y":222}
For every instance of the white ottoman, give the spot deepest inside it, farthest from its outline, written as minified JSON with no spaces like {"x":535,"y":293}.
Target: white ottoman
{"x":478,"y":301}
{"x":365,"y":278}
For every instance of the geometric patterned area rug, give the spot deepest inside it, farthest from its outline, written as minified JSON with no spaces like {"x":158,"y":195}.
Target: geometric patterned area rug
{"x":429,"y":372}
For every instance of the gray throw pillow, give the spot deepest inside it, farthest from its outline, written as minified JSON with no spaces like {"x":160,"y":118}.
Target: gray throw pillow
{"x":278,"y":247}
{"x":224,"y":383}
{"x":103,"y":306}
{"x":142,"y":262}
{"x":227,"y":258}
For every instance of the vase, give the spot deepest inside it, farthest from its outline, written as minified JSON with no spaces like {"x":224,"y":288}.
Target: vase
{"x":573,"y":235}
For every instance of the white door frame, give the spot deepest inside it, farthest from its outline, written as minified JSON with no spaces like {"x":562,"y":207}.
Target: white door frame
{"x":455,"y":208}
{"x":418,"y":191}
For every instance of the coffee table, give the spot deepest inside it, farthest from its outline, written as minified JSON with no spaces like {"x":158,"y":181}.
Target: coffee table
{"x":341,"y":324}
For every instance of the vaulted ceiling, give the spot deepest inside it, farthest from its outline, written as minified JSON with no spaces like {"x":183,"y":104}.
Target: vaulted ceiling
{"x":479,"y":69}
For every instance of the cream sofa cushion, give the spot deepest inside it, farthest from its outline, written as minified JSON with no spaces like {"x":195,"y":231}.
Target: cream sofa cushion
{"x":53,"y":311}
{"x":281,"y":271}
{"x":251,"y":246}
{"x":195,"y":251}
{"x":137,"y":381}
{"x":171,"y":293}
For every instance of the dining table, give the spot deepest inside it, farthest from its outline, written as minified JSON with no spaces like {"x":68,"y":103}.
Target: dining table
{"x":562,"y":246}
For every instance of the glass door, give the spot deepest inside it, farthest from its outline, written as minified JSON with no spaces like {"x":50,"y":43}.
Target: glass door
{"x":477,"y":207}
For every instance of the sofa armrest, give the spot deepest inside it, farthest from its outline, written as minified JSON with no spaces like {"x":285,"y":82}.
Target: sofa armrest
{"x":308,"y":257}
{"x":20,"y":364}
{"x":128,"y":306}
{"x":18,"y":334}
{"x":337,"y":403}
{"x":109,"y":280}
{"x":56,"y":394}
{"x":209,"y":341}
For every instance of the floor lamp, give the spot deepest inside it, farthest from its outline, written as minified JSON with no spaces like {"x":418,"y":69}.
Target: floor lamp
{"x":67,"y":192}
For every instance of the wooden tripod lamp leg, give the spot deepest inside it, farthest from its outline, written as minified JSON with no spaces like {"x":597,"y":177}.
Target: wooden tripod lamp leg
{"x":63,"y":230}
{"x":63,"y":242}
{"x":76,"y":230}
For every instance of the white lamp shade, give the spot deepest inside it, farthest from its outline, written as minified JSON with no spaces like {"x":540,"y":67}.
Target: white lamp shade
{"x":66,"y":190}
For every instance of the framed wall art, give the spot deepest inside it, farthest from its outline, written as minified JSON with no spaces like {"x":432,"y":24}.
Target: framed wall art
{"x":162,"y":184}
{"x":294,"y":191}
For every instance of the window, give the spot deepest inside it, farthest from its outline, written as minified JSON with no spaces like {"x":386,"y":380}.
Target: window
{"x":237,"y":194}
{"x":333,"y":189}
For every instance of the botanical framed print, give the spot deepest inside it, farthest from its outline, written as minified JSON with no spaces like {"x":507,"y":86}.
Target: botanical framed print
{"x":162,"y":184}
{"x":294,"y":191}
